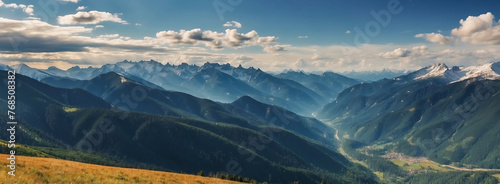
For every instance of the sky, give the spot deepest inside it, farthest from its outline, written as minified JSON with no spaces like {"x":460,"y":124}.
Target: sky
{"x":320,"y":35}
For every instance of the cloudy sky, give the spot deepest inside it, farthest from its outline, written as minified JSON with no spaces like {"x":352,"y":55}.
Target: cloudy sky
{"x":336,"y":35}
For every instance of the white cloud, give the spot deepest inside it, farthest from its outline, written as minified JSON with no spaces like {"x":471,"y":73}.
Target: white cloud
{"x":28,"y":9}
{"x":437,"y":38}
{"x":397,"y":53}
{"x":91,"y":17}
{"x":348,"y":32}
{"x":474,"y":24}
{"x":480,"y":29}
{"x":420,"y":49}
{"x":109,"y":36}
{"x":242,"y":58}
{"x":80,"y":8}
{"x":303,"y":37}
{"x":232,"y":24}
{"x":38,"y":36}
{"x":274,"y":48}
{"x":99,"y":26}
{"x":300,"y":63}
{"x":69,"y":45}
{"x":215,"y":40}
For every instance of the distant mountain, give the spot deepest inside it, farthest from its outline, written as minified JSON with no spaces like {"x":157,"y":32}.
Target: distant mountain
{"x":446,"y":114}
{"x":5,"y":67}
{"x":119,"y":91}
{"x":285,"y":93}
{"x":30,"y":72}
{"x":327,"y":84}
{"x":370,"y":76}
{"x":220,"y":86}
{"x":223,"y":83}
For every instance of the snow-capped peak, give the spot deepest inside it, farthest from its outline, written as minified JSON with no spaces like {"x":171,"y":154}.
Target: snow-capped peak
{"x":435,"y":70}
{"x":489,"y":71}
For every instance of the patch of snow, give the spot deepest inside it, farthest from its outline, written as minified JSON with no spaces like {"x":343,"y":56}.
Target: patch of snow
{"x":123,"y":79}
{"x":435,"y":70}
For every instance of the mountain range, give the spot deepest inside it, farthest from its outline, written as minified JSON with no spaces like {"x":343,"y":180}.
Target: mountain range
{"x":222,"y":83}
{"x":174,"y":131}
{"x":187,"y":118}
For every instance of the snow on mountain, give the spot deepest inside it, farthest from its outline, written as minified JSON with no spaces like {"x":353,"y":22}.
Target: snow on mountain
{"x":489,"y":71}
{"x":24,"y":69}
{"x":436,"y":70}
{"x":486,"y":72}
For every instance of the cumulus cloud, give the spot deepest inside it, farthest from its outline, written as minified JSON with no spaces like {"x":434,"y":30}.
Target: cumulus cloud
{"x":274,"y":48}
{"x":215,"y":40}
{"x":303,"y":37}
{"x":480,"y":29}
{"x":232,"y":24}
{"x":80,"y":8}
{"x":474,"y":24}
{"x":91,"y":17}
{"x":28,"y":9}
{"x":348,"y":32}
{"x":437,"y":38}
{"x":397,"y":53}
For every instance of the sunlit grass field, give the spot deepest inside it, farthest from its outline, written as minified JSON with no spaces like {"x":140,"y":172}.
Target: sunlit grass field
{"x":49,"y":170}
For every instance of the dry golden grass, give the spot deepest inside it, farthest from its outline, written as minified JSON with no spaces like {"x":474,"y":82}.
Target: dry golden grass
{"x":49,"y":170}
{"x":497,"y":176}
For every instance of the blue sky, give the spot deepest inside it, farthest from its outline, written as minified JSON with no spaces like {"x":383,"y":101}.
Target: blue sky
{"x":307,"y":35}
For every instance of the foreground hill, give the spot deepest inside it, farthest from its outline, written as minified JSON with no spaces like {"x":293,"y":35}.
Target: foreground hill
{"x":51,"y":170}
